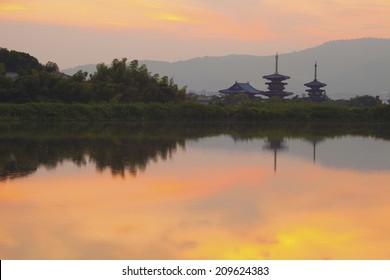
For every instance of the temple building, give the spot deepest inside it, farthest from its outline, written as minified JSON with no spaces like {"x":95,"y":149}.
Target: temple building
{"x":276,"y":85}
{"x":315,"y":92}
{"x":241,"y":88}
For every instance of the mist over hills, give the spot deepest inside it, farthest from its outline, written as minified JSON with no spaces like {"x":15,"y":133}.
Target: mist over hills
{"x":349,"y":67}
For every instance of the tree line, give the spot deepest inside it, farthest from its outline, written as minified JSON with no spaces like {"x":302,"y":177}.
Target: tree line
{"x":23,"y":79}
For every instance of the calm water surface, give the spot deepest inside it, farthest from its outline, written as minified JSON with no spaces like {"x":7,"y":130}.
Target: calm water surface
{"x":194,"y":191}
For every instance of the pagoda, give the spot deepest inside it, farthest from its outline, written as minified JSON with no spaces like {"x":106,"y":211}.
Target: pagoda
{"x":276,"y":85}
{"x":315,"y":92}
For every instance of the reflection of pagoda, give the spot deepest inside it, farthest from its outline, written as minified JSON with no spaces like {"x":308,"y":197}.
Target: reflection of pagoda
{"x":276,"y":84}
{"x":315,"y":92}
{"x":275,"y":145}
{"x":314,"y":140}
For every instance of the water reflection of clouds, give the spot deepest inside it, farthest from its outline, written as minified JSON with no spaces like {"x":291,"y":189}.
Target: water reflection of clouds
{"x":308,"y":219}
{"x":239,"y":204}
{"x":203,"y":204}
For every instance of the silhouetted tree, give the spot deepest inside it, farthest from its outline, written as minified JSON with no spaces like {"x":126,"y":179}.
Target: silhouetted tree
{"x":121,"y":82}
{"x":365,"y":100}
{"x":52,"y":67}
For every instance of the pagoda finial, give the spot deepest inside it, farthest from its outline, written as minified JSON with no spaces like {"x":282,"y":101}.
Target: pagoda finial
{"x":276,"y":63}
{"x":315,"y":71}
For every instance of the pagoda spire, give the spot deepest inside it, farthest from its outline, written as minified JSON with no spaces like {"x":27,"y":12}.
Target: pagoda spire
{"x":276,"y":84}
{"x":316,"y":93}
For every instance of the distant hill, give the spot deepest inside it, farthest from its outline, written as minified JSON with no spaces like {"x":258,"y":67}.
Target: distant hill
{"x":349,"y":67}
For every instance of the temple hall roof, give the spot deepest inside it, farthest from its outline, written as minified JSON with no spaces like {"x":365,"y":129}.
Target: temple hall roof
{"x":241,"y":88}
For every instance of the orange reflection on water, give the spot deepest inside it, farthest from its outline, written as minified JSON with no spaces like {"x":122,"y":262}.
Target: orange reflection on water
{"x":198,"y":205}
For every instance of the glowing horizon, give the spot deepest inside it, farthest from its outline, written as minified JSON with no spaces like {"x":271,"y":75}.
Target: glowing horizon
{"x":184,"y":29}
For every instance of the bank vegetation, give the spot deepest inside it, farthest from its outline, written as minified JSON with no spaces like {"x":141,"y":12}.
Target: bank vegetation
{"x":127,"y":91}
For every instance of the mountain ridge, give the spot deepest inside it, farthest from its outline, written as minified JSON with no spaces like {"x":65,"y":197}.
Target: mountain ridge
{"x":349,"y":67}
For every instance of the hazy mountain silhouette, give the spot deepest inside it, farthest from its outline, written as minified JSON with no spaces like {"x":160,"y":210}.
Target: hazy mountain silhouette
{"x":349,"y":67}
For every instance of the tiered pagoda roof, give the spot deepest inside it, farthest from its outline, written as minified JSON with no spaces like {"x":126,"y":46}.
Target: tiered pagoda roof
{"x":316,"y":93}
{"x":276,"y":85}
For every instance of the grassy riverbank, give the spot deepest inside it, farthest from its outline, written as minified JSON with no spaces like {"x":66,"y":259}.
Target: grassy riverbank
{"x":265,"y":112}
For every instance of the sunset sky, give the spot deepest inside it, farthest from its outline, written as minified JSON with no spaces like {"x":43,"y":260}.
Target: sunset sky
{"x":75,"y":32}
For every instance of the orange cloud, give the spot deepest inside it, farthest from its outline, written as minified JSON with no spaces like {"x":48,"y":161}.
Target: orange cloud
{"x":170,"y":17}
{"x":14,"y":6}
{"x":192,"y":19}
{"x":276,"y":21}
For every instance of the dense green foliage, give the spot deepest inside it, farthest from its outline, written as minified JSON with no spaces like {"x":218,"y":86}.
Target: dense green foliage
{"x":19,"y":62}
{"x":266,"y":112}
{"x":118,"y":83}
{"x":365,"y":100}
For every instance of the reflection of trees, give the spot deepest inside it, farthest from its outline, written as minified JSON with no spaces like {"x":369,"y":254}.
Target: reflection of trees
{"x":120,"y":148}
{"x":21,"y":157}
{"x":12,"y":170}
{"x":131,"y":147}
{"x":130,"y":154}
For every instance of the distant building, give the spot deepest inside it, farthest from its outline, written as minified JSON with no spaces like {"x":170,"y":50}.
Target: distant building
{"x":200,"y":98}
{"x":241,"y":88}
{"x":12,"y":75}
{"x":315,"y":92}
{"x":276,"y":85}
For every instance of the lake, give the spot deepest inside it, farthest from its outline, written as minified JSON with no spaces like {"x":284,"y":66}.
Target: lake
{"x":194,"y":191}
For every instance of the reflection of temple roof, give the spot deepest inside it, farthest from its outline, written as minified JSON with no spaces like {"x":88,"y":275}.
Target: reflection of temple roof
{"x":275,"y":144}
{"x":241,"y":88}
